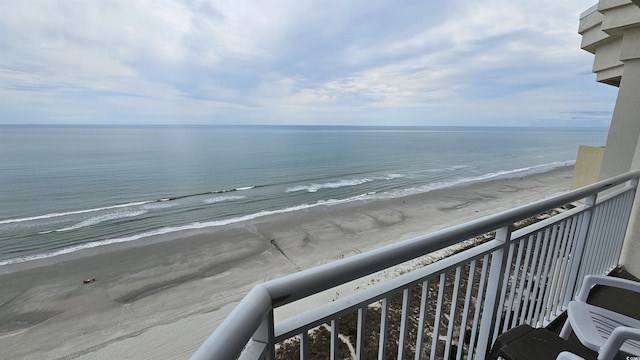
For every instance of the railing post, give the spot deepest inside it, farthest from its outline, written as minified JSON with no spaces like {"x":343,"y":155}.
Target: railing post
{"x":261,"y":346}
{"x":265,"y":335}
{"x":249,"y":326}
{"x":494,"y":289}
{"x":578,"y":254}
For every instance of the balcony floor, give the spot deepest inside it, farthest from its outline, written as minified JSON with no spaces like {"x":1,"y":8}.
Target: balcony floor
{"x":618,"y":300}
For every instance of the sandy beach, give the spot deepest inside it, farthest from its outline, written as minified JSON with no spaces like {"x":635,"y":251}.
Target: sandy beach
{"x":160,"y":297}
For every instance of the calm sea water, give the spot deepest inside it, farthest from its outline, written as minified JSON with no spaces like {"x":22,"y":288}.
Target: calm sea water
{"x":63,"y":188}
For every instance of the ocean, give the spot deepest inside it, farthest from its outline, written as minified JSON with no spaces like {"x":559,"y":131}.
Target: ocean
{"x":66,"y":188}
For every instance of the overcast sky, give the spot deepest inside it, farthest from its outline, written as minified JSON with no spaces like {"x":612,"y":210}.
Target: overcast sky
{"x":369,"y":62}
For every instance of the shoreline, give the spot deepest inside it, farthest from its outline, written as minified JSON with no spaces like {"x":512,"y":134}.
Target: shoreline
{"x":146,"y":237}
{"x":138,"y":303}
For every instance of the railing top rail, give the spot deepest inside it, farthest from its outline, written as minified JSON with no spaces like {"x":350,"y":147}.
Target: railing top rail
{"x":236,"y":330}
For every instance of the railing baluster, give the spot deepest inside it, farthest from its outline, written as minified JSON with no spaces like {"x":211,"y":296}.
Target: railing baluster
{"x":562,"y":268}
{"x":606,"y":240}
{"x":536,"y":290}
{"x":618,"y":236}
{"x":624,"y":217}
{"x":592,"y":241}
{"x":452,"y":314}
{"x":424,"y":300}
{"x":531,"y":282}
{"x":553,"y":272}
{"x":585,"y":224}
{"x":304,"y":345}
{"x":514,"y":285}
{"x":612,"y":238}
{"x":465,"y":311}
{"x":505,"y":285}
{"x":604,"y":260}
{"x":598,"y":238}
{"x":559,"y":270}
{"x":335,"y":340}
{"x":600,"y":241}
{"x":362,"y":314}
{"x":383,"y":328}
{"x":617,"y":231}
{"x":436,"y":321}
{"x":528,"y":279}
{"x":566,"y":264}
{"x":587,"y":255}
{"x":544,"y":293}
{"x":406,"y":297}
{"x":621,"y":217}
{"x":521,"y":286}
{"x":479,"y":304}
{"x":571,"y":250}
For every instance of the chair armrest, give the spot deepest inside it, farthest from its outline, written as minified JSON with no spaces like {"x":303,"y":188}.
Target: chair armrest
{"x":615,"y":341}
{"x":565,"y":355}
{"x":590,"y":281}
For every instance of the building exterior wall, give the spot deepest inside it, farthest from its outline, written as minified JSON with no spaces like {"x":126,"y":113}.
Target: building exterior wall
{"x":612,"y":34}
{"x":624,"y":132}
{"x":587,"y":167}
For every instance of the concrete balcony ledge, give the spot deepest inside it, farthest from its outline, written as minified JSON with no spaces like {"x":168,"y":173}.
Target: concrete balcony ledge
{"x":612,"y":4}
{"x":617,"y":19}
{"x":590,"y":28}
{"x":604,"y":29}
{"x":589,"y":11}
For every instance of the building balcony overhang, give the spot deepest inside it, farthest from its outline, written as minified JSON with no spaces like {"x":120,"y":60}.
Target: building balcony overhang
{"x":603,"y":29}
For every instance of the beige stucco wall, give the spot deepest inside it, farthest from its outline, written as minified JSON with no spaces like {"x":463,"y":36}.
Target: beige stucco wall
{"x":587,"y":167}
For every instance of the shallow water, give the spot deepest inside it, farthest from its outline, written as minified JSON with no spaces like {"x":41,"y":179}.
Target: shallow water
{"x":68,"y":187}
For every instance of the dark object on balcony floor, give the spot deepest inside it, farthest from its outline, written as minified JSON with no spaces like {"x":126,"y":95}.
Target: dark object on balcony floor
{"x":619,"y":300}
{"x":524,"y":342}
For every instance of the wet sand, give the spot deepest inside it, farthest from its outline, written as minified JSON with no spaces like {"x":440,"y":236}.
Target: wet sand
{"x":159,"y":298}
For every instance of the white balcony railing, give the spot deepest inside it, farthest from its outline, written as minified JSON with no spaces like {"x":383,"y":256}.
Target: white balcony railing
{"x":451,"y":308}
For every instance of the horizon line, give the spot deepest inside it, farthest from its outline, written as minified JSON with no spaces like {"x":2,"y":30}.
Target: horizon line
{"x":297,"y":125}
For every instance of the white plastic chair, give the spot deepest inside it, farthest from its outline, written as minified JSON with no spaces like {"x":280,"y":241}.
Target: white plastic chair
{"x":602,"y":330}
{"x":611,"y":347}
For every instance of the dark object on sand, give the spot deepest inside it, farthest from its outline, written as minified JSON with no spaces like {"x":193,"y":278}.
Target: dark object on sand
{"x":87,"y":281}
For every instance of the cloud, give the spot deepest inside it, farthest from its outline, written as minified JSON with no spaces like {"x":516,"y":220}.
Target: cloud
{"x":488,"y":62}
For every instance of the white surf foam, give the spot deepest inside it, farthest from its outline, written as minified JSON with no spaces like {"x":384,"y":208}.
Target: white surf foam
{"x":329,"y":185}
{"x":102,"y":218}
{"x":162,"y":204}
{"x":218,"y":199}
{"x":394,"y":176}
{"x":53,"y":215}
{"x":469,"y":180}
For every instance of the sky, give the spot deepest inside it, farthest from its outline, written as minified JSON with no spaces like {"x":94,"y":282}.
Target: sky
{"x":302,"y":62}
